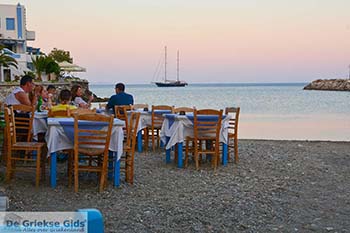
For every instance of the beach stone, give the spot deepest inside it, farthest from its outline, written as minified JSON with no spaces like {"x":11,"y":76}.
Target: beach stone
{"x":280,"y":187}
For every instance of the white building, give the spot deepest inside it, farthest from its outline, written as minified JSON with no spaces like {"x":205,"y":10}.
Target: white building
{"x":14,"y":36}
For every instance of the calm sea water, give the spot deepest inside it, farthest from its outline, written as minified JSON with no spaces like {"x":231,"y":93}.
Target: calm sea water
{"x":268,"y":111}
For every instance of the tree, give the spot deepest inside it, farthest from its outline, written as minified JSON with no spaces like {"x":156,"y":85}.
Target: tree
{"x":39,"y":63}
{"x":60,"y":55}
{"x":45,"y":64}
{"x":51,"y":67}
{"x":6,"y":60}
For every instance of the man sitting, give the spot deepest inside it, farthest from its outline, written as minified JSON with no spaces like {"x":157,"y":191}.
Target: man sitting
{"x":20,"y":94}
{"x":120,"y":98}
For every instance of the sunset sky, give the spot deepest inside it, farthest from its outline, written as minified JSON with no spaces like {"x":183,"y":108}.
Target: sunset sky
{"x":219,"y":41}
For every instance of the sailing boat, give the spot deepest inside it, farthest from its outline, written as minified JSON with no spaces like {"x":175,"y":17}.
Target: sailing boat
{"x":167,"y":82}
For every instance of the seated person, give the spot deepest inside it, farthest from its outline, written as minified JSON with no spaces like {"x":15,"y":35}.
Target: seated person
{"x":77,"y":94}
{"x":20,"y":94}
{"x":51,"y":89}
{"x":40,"y":93}
{"x":120,"y":98}
{"x":65,"y":98}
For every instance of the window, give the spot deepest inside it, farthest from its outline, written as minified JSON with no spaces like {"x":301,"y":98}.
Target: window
{"x":10,"y":24}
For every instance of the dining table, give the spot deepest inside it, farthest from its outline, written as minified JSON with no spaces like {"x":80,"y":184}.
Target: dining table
{"x":60,"y":136}
{"x":144,"y":122}
{"x":176,"y":128}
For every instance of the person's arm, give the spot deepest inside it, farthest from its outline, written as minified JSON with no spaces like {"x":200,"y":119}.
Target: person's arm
{"x":23,"y":98}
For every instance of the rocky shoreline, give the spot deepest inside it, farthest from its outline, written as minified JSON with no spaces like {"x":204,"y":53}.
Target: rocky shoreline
{"x":329,"y":85}
{"x":277,"y":186}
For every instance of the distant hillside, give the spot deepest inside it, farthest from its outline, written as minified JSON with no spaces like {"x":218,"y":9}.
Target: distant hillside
{"x":329,"y":85}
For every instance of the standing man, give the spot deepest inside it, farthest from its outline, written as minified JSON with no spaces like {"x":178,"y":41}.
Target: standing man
{"x":120,"y":98}
{"x":20,"y":94}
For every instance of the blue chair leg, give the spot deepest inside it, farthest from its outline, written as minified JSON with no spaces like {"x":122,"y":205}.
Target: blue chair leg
{"x":117,"y":173}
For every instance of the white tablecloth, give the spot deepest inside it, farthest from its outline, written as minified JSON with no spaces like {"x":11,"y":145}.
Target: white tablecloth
{"x":145,"y":119}
{"x":39,"y":123}
{"x":183,"y":127}
{"x":57,"y":139}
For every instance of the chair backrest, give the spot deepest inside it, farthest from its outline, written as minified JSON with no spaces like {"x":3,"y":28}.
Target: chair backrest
{"x":139,"y":106}
{"x":82,"y":111}
{"x":132,"y":130}
{"x":121,"y":113}
{"x":233,"y":122}
{"x":93,"y":134}
{"x":59,"y":113}
{"x":157,"y":118}
{"x":24,"y":116}
{"x":207,"y":124}
{"x":10,"y":126}
{"x":184,"y":110}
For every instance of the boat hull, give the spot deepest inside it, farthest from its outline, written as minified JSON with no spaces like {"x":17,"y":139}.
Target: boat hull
{"x":175,"y":84}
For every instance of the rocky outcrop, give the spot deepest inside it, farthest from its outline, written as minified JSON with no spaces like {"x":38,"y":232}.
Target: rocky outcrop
{"x":329,"y":85}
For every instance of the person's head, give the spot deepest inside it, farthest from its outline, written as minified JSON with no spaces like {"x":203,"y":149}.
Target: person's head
{"x":119,"y":87}
{"x":76,"y":91}
{"x":51,"y":89}
{"x":65,"y":96}
{"x":40,"y":90}
{"x":27,"y":83}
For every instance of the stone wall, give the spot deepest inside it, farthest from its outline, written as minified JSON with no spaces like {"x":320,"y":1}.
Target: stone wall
{"x":329,"y":85}
{"x":6,"y":88}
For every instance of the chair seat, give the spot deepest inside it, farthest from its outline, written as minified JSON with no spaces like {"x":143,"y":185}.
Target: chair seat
{"x":27,"y":145}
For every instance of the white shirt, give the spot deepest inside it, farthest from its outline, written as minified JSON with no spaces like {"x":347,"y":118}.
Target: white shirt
{"x":11,"y":98}
{"x":78,"y":100}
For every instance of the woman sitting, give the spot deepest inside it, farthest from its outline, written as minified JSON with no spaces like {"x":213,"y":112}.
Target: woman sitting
{"x":77,"y":94}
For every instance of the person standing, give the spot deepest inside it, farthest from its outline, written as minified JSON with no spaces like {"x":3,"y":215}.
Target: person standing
{"x":120,"y":98}
{"x":20,"y":94}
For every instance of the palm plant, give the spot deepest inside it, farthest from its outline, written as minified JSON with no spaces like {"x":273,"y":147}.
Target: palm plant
{"x":51,"y":67}
{"x":6,"y":60}
{"x":40,"y":63}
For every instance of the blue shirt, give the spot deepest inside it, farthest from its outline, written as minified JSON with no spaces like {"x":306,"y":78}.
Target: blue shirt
{"x":121,"y":98}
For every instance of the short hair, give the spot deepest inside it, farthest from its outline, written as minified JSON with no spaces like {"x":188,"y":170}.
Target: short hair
{"x":25,"y":79}
{"x":65,"y":95}
{"x":49,"y":87}
{"x":120,"y":86}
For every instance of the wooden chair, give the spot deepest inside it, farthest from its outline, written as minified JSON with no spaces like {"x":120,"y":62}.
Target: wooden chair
{"x":24,"y":116}
{"x":233,"y":131}
{"x":121,"y":114}
{"x":82,"y":111}
{"x":139,"y":106}
{"x":208,"y":131}
{"x":91,"y":144}
{"x":13,"y":145}
{"x":59,"y":113}
{"x":2,"y":133}
{"x":130,"y":146}
{"x":157,"y":121}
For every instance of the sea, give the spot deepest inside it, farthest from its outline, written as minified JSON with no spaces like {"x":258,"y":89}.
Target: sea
{"x":277,"y":111}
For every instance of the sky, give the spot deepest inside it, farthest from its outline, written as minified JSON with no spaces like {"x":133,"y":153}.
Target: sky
{"x":229,"y":41}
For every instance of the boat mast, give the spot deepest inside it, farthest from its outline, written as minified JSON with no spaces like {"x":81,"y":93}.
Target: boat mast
{"x":178,"y":65}
{"x":165,"y":58}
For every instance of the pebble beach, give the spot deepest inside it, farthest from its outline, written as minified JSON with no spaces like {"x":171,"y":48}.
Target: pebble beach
{"x":277,"y":186}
